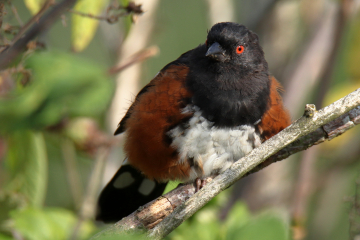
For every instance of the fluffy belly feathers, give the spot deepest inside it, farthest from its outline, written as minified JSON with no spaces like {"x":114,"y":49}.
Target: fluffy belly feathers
{"x":209,"y":149}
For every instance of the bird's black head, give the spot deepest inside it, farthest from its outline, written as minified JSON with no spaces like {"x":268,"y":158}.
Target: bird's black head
{"x":234,"y":44}
{"x":229,"y":76}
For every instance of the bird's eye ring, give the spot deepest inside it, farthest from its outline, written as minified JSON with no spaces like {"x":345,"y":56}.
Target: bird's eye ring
{"x":240,"y":49}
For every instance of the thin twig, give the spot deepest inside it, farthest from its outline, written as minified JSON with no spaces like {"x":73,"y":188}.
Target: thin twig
{"x":35,"y":18}
{"x":132,"y":8}
{"x":10,"y":29}
{"x":16,"y":14}
{"x":109,"y":19}
{"x":136,"y":58}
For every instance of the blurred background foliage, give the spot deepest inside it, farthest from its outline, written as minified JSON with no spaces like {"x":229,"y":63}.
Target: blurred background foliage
{"x":62,"y":97}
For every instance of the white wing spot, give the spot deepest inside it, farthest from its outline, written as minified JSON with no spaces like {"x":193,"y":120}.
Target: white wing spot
{"x":124,"y":180}
{"x":146,"y":187}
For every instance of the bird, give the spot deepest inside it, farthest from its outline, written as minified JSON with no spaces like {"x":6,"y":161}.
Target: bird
{"x":198,"y":115}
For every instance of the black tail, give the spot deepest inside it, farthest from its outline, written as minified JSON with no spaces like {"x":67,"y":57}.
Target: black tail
{"x":126,"y":192}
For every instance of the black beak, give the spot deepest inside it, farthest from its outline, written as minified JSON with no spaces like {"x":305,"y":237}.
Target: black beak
{"x":216,"y":52}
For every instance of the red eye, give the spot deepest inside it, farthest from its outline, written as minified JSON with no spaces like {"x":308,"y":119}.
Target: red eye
{"x":240,"y":49}
{"x":206,"y":42}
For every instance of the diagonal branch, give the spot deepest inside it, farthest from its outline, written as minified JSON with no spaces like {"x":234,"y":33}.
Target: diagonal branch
{"x":44,"y":23}
{"x":166,"y":213}
{"x":35,"y":18}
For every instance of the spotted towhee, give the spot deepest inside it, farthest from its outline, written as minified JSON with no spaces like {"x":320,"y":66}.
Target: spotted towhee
{"x":200,"y":113}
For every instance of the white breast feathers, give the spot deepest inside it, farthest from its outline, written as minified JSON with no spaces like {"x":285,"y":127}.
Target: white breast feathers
{"x":208,"y":148}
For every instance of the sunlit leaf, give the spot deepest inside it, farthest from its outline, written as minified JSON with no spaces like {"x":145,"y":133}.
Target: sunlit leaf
{"x":84,"y":28}
{"x":47,"y":224}
{"x":34,"y":5}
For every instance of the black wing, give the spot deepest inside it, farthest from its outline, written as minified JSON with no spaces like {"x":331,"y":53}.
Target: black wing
{"x":126,"y":192}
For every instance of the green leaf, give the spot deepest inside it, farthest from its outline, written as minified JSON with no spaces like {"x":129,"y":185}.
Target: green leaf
{"x":84,"y":28}
{"x":26,"y":166}
{"x":193,"y":228}
{"x":266,"y":226}
{"x":4,"y":237}
{"x":27,"y":161}
{"x":34,"y":6}
{"x":47,"y":224}
{"x":238,"y":216}
{"x":62,"y":86}
{"x":171,"y":186}
{"x":201,"y":230}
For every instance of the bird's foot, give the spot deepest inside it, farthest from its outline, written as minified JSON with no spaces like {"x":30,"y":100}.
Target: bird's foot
{"x":199,"y":184}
